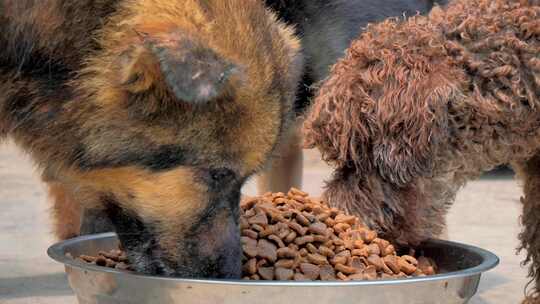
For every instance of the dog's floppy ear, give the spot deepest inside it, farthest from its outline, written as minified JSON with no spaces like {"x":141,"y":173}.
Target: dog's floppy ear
{"x":195,"y":73}
{"x":412,"y":119}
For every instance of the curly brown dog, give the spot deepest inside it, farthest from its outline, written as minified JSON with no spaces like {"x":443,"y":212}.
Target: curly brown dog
{"x":420,"y":106}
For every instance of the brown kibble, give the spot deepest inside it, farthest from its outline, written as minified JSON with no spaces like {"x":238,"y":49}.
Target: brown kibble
{"x":329,"y":222}
{"x":284,"y":263}
{"x":410,"y":259}
{"x":250,"y":251}
{"x":342,"y":277}
{"x":370,"y":273}
{"x":310,"y":271}
{"x":406,"y":267}
{"x":267,"y":250}
{"x":327,"y":273}
{"x":368,"y":235}
{"x":390,"y":250}
{"x":101,"y":261}
{"x":300,"y":277}
{"x":250,"y":266}
{"x":327,"y":252}
{"x":88,"y":258}
{"x":311,"y":248}
{"x":244,"y":224}
{"x":320,"y":238}
{"x":345,"y":269}
{"x":304,"y":239}
{"x":376,"y":261}
{"x":348,"y":219}
{"x":392,"y":262}
{"x":317,"y":259}
{"x":318,"y":228}
{"x":284,"y":274}
{"x":338,"y":260}
{"x":364,"y":251}
{"x":426,"y":265}
{"x":322,"y":216}
{"x":258,"y":219}
{"x":302,"y":219}
{"x":303,"y":252}
{"x":250,"y":233}
{"x":286,"y":253}
{"x":358,"y":264}
{"x":358,"y":244}
{"x":297,"y":192}
{"x":255,"y":277}
{"x":277,"y":240}
{"x":296,"y":227}
{"x":290,"y":237}
{"x":374,"y":249}
{"x":244,"y":240}
{"x":267,"y":273}
{"x":341,"y":227}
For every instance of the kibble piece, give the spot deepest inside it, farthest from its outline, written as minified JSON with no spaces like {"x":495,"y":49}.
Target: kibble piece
{"x":317,"y":259}
{"x":410,"y":259}
{"x":358,"y":264}
{"x":290,"y":237}
{"x":374,"y":249}
{"x":310,"y":271}
{"x":284,"y":274}
{"x":368,"y":235}
{"x":370,"y":273}
{"x":327,"y":273}
{"x":277,"y":240}
{"x":327,"y":252}
{"x":250,"y":266}
{"x":250,"y":233}
{"x":285,"y":263}
{"x":376,"y":261}
{"x":304,"y":240}
{"x":342,"y":276}
{"x":250,"y":251}
{"x":266,"y":273}
{"x":297,"y":227}
{"x":338,"y":260}
{"x":267,"y":250}
{"x":286,"y":253}
{"x":318,"y":228}
{"x":311,"y":248}
{"x":406,"y":267}
{"x":393,"y":263}
{"x":348,"y":219}
{"x":302,"y":219}
{"x":345,"y":269}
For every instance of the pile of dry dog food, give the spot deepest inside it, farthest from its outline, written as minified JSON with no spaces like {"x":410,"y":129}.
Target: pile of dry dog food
{"x":294,"y":237}
{"x":115,"y":258}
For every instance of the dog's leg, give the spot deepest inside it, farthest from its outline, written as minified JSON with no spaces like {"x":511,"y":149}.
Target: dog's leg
{"x":530,"y":236}
{"x":285,"y":171}
{"x":66,"y":212}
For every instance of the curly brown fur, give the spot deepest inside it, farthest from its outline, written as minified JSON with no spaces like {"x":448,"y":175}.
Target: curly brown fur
{"x":152,"y":113}
{"x":419,"y":106}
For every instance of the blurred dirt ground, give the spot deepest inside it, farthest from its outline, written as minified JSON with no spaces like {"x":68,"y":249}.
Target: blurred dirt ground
{"x":485,"y":214}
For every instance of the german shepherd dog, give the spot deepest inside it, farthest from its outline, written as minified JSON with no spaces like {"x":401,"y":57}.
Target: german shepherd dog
{"x":149,"y":115}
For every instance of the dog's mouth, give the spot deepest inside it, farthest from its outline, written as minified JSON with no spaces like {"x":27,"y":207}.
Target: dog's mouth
{"x":224,"y":263}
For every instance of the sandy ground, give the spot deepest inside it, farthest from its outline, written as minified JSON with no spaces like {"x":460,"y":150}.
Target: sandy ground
{"x":485,"y":214}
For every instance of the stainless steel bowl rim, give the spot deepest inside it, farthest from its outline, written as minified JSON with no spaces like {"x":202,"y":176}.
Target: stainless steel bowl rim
{"x":490,"y":261}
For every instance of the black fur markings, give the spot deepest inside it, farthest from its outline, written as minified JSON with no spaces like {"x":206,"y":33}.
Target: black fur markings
{"x":161,"y":158}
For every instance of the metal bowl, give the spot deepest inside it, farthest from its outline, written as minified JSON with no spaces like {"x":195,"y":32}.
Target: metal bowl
{"x":461,"y":265}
